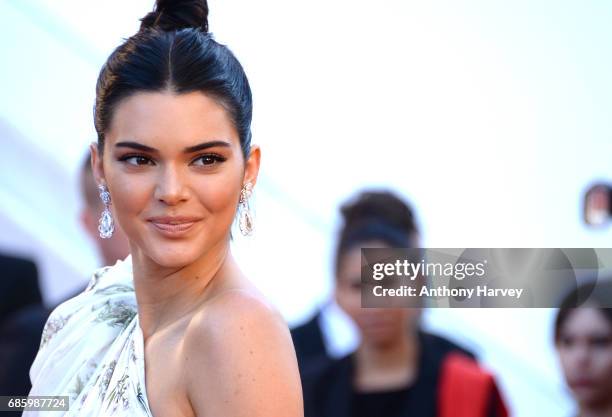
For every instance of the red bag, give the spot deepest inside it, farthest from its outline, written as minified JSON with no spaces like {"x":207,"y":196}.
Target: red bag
{"x":467,"y":390}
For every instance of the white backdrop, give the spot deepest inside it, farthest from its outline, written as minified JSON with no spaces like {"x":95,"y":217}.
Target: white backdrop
{"x":489,"y":116}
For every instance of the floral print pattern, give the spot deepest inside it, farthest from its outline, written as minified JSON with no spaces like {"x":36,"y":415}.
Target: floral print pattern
{"x":92,"y":350}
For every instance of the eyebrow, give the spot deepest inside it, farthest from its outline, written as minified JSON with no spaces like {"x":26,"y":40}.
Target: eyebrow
{"x":190,"y":149}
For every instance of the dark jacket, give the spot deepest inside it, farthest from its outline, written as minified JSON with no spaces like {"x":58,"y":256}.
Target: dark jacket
{"x":18,"y":285}
{"x":20,"y":337}
{"x":308,"y":341}
{"x":328,"y":385}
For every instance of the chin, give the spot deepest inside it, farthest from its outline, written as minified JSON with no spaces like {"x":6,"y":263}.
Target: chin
{"x":379,"y":339}
{"x":588,"y":397}
{"x":174,"y":257}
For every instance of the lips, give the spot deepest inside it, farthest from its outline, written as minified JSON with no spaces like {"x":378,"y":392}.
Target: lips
{"x":173,"y":226}
{"x":582,"y":383}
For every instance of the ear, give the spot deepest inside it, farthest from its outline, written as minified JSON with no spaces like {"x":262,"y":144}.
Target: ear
{"x":251,"y":169}
{"x":96,"y":164}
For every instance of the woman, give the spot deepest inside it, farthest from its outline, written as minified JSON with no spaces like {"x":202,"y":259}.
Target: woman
{"x":397,"y":370}
{"x":583,"y":338}
{"x":179,"y":330}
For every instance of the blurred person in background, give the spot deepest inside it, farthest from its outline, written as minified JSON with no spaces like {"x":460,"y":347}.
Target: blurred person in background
{"x":397,"y":369}
{"x":22,"y":313}
{"x":597,"y":204}
{"x":583,"y":339}
{"x":330,"y":333}
{"x":19,"y":286}
{"x":327,"y":334}
{"x":114,"y":248}
{"x":22,"y":317}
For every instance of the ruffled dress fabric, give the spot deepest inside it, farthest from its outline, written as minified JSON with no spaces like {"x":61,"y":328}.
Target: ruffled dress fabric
{"x":92,"y":350}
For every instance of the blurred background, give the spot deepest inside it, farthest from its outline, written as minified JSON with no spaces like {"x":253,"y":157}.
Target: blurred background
{"x":491,"y":117}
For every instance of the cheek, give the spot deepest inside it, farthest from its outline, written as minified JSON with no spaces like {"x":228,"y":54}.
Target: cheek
{"x":130,"y":192}
{"x":565,"y":361}
{"x":411,"y":315}
{"x":601,"y":368}
{"x":399,"y":316}
{"x":130,"y":195}
{"x":349,"y":300}
{"x":219,"y":194}
{"x":602,"y":362}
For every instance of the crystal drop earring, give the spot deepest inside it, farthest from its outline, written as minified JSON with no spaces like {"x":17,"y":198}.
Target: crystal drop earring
{"x":246,"y":218}
{"x":106,"y":225}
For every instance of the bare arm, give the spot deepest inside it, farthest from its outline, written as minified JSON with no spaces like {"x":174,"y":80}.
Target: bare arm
{"x":240,"y":361}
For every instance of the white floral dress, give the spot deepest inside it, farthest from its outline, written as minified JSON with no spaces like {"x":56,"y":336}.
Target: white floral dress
{"x":92,"y":350}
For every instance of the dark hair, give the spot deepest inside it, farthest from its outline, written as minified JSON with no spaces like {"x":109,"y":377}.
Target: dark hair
{"x":375,"y":215}
{"x":174,"y":51}
{"x":591,"y":294}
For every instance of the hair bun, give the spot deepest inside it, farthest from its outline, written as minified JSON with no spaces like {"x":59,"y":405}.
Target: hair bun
{"x":171,"y":15}
{"x":379,"y":206}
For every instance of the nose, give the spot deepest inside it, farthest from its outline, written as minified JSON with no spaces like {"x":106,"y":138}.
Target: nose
{"x":582,"y":356}
{"x":171,"y":187}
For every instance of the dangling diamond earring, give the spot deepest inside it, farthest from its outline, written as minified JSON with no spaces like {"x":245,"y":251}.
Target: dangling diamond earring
{"x":246,"y":218}
{"x":106,"y":226}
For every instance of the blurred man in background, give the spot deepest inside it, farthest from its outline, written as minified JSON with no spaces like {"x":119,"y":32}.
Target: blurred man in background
{"x":114,"y":248}
{"x":22,"y":314}
{"x":22,"y":317}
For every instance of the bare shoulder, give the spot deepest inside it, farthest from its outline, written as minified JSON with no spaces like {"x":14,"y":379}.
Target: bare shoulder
{"x":243,"y":302}
{"x":239,"y":359}
{"x":236,"y":313}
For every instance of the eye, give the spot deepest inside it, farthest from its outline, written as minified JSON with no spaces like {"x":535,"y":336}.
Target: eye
{"x":601,"y":341}
{"x":137,"y":160}
{"x":208,"y":160}
{"x":566,"y":341}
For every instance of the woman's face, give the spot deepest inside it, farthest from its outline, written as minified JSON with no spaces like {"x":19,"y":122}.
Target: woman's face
{"x":174,"y":168}
{"x":585,"y":352}
{"x":378,"y":326}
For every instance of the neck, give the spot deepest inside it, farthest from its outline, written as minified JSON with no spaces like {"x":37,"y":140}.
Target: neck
{"x":403,"y":350}
{"x":598,"y":410}
{"x":385,"y":366}
{"x":167,"y":294}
